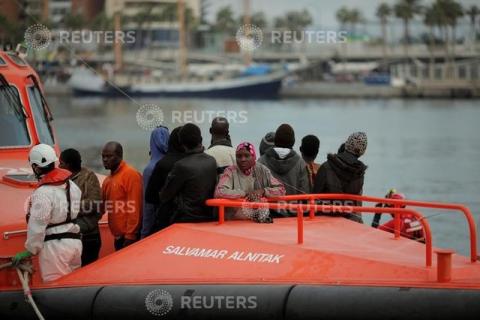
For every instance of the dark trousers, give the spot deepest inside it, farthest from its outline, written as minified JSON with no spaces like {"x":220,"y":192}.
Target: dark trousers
{"x":91,"y":248}
{"x":120,"y":243}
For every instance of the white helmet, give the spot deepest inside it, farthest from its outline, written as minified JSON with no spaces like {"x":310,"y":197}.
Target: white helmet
{"x":42,"y":155}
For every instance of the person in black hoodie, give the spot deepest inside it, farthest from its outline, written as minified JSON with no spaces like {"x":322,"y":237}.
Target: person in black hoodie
{"x":343,"y":172}
{"x":159,"y":175}
{"x":191,"y":181}
{"x":285,"y":164}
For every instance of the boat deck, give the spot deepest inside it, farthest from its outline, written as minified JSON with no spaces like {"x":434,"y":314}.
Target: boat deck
{"x":336,"y":251}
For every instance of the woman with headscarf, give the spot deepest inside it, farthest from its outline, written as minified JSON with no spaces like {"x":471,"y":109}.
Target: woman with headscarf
{"x":159,"y":139}
{"x":158,"y":177}
{"x":250,"y":180}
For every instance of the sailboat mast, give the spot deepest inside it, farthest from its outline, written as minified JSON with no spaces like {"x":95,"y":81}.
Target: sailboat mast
{"x":181,"y":38}
{"x":45,"y":10}
{"x":247,"y":56}
{"x":117,"y":44}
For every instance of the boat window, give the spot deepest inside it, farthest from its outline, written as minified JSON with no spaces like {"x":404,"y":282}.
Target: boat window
{"x":41,"y":116}
{"x":2,"y":62}
{"x":19,"y":61}
{"x":13,"y":128}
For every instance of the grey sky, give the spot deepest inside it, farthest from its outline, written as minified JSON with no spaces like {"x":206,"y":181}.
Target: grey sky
{"x":322,"y":11}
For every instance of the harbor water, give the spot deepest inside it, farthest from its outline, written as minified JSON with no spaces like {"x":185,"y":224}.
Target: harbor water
{"x":427,"y":149}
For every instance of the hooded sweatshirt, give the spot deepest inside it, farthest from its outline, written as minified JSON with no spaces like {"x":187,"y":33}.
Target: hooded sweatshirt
{"x":290,"y":169}
{"x":158,"y":148}
{"x":341,"y":173}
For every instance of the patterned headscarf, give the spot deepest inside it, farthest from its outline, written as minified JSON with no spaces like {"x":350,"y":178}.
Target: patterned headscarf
{"x":251,"y":149}
{"x":356,"y":143}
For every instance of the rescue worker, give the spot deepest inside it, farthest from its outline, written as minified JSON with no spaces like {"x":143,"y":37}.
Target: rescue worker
{"x":410,"y":226}
{"x":53,"y":208}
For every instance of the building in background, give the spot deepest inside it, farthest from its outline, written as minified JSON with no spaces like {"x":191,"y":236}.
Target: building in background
{"x":88,"y":9}
{"x":155,"y":21}
{"x":51,"y":11}
{"x":10,"y":11}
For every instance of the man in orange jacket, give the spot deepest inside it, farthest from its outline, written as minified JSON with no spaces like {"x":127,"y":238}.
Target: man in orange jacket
{"x":122,"y":196}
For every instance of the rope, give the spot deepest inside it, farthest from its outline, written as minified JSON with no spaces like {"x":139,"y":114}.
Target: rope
{"x":27,"y":292}
{"x":5,"y":265}
{"x":26,"y":268}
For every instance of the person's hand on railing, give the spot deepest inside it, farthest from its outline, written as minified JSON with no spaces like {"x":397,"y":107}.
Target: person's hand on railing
{"x":255,"y":195}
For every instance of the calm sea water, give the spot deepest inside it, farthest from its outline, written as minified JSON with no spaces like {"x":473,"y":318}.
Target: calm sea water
{"x":427,"y":149}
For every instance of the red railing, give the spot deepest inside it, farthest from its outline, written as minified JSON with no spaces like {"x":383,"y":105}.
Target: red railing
{"x":397,"y":203}
{"x":300,"y":208}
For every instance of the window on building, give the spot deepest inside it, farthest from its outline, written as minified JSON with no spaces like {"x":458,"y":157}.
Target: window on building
{"x":462,"y":72}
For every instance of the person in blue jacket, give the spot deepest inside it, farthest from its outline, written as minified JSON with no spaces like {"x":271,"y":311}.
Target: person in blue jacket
{"x":158,"y":148}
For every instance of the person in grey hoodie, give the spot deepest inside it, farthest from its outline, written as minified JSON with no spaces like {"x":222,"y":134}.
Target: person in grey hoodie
{"x":285,"y":164}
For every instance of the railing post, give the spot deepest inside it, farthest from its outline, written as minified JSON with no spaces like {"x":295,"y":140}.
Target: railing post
{"x":473,"y":233}
{"x":428,"y":240}
{"x":444,"y":265}
{"x":299,"y":226}
{"x":312,"y":207}
{"x":396,"y":219}
{"x":221,"y":214}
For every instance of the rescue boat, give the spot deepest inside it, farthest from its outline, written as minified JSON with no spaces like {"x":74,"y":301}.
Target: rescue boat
{"x":304,"y":267}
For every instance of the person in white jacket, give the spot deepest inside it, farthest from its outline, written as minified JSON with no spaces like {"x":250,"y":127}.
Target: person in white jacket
{"x":53,"y":207}
{"x":221,"y":145}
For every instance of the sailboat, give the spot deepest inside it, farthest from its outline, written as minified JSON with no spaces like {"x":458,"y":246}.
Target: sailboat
{"x":253,"y":82}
